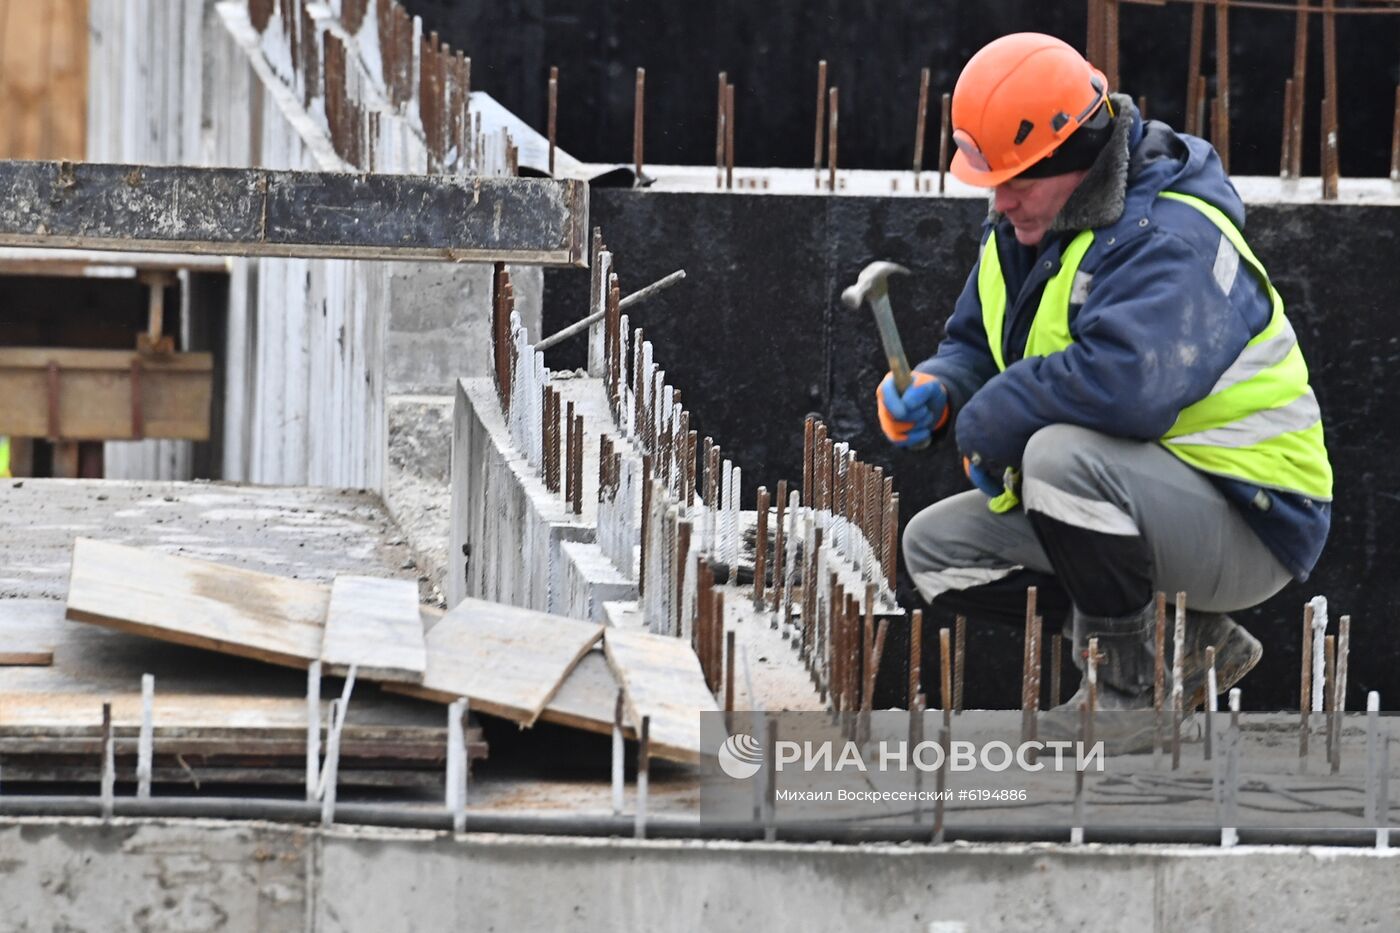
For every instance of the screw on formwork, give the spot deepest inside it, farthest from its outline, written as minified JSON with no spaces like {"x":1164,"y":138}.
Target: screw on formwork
{"x":834,"y":97}
{"x":920,"y":123}
{"x":944,"y":136}
{"x":821,"y":129}
{"x":553,"y":113}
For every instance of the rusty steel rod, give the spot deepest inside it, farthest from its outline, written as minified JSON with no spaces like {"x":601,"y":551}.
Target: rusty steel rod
{"x":729,"y":137}
{"x":945,"y":136}
{"x":760,"y":554}
{"x":1194,"y":80}
{"x":916,"y":651}
{"x":552,"y":123}
{"x":1027,"y":698}
{"x":1305,"y":684}
{"x":1110,"y":42}
{"x":959,"y":661}
{"x":1332,"y":170}
{"x":729,"y":671}
{"x":1339,"y":690}
{"x":1329,"y":693}
{"x":779,"y":549}
{"x":1300,"y":74}
{"x":1221,"y":137}
{"x":1056,"y":661}
{"x":638,"y":118}
{"x":834,"y":97}
{"x":1159,"y":671}
{"x":719,"y":130}
{"x":821,"y":123}
{"x":920,"y":125}
{"x":1286,"y":147}
{"x":1178,"y":660}
{"x":945,"y":673}
{"x":1395,"y":140}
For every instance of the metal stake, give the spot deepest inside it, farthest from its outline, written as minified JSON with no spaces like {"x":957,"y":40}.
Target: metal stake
{"x":817,"y":144}
{"x":109,"y":763}
{"x":1178,"y":699}
{"x":313,"y":730}
{"x":638,"y":114}
{"x":916,"y":649}
{"x":618,"y":773}
{"x":919,"y":126}
{"x":145,"y":746}
{"x":553,"y":113}
{"x":959,"y":661}
{"x":643,"y":775}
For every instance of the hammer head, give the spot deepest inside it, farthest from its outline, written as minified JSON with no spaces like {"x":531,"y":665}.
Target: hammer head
{"x":871,"y":283}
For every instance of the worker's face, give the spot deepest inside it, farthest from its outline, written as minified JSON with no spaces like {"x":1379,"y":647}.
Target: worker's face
{"x":1032,"y":204}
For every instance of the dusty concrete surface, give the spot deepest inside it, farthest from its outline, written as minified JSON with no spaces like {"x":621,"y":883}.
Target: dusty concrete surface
{"x":188,"y":875}
{"x":416,"y":489}
{"x":304,"y":532}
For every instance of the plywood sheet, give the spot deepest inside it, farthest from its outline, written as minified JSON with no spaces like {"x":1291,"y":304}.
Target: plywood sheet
{"x":195,"y":602}
{"x":507,"y":661}
{"x":374,"y":623}
{"x":588,"y":698}
{"x":661,"y":678}
{"x":95,"y":393}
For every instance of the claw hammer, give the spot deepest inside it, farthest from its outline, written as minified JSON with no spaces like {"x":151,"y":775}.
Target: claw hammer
{"x":872,"y":287}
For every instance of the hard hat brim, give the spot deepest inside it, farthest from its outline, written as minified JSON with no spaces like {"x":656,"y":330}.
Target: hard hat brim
{"x":963,"y":171}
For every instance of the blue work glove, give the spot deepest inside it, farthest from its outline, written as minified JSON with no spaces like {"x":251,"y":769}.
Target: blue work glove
{"x":1001,"y":487}
{"x":909,"y":420}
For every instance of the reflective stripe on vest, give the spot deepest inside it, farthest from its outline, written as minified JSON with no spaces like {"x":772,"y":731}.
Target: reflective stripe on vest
{"x":1260,"y":423}
{"x":4,"y":457}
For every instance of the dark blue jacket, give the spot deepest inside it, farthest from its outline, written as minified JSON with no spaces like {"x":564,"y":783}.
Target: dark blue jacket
{"x":1152,"y":336}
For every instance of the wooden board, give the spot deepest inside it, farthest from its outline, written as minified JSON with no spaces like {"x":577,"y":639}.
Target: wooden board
{"x":507,"y":661}
{"x":198,"y":603}
{"x":374,"y":624}
{"x":588,"y":698}
{"x":261,"y":212}
{"x":661,"y":678}
{"x":25,"y":658}
{"x":95,"y":392}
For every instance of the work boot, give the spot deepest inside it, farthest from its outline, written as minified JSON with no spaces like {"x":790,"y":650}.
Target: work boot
{"x":1236,"y":654}
{"x":1125,"y":675}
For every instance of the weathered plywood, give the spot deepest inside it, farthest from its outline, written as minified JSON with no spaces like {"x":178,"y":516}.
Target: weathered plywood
{"x":95,"y":393}
{"x":508,"y":662}
{"x":375,"y":625}
{"x":195,"y":602}
{"x":588,"y":698}
{"x":259,"y":212}
{"x":37,"y":658}
{"x":661,"y":678}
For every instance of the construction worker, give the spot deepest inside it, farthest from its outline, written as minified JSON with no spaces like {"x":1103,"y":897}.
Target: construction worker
{"x":1124,"y":389}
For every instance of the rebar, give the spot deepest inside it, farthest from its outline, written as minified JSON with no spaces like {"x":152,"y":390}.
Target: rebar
{"x":821,"y":130}
{"x":920,"y":125}
{"x":916,"y":650}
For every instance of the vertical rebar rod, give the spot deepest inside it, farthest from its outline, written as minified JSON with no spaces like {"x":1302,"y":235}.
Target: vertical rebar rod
{"x":643,"y":777}
{"x":760,"y":555}
{"x":1285,"y":167}
{"x":1300,"y":73}
{"x":1056,"y":662}
{"x":638,"y":117}
{"x":618,"y":773}
{"x":1027,"y":700}
{"x":834,"y":98}
{"x":1110,"y":42}
{"x":916,"y":654}
{"x":1178,"y":662}
{"x":959,"y":661}
{"x":109,"y":763}
{"x":945,"y":674}
{"x":779,"y":550}
{"x":1035,"y":668}
{"x":1221,"y":139}
{"x":1339,"y":690}
{"x":145,"y":744}
{"x":313,"y":729}
{"x":1193,"y":67}
{"x":729,"y":137}
{"x":1159,"y":672}
{"x":1329,"y":654}
{"x":1093,"y":39}
{"x":1395,"y":140}
{"x":821,"y":133}
{"x":1305,"y":686}
{"x":719,"y":130}
{"x":1330,"y":146}
{"x":1211,"y":700}
{"x":552,"y":123}
{"x":729,"y":671}
{"x":945,"y":136}
{"x":920,"y":125}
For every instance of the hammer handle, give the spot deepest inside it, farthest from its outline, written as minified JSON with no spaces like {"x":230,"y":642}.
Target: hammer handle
{"x":894,"y":349}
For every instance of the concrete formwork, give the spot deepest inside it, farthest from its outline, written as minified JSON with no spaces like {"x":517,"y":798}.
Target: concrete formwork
{"x":208,"y":875}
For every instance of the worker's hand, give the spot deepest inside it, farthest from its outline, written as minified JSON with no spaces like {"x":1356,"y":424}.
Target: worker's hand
{"x":1001,"y":487}
{"x":909,"y":420}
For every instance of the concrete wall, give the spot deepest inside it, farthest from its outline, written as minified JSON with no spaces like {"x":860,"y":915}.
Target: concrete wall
{"x":205,"y":875}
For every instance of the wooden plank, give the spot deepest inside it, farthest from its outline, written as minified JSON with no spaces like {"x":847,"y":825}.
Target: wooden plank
{"x":588,"y":698}
{"x":507,"y":661}
{"x":95,"y":393}
{"x":374,"y":624}
{"x":198,"y":603}
{"x":260,"y":212}
{"x":26,"y":658}
{"x":661,"y":678}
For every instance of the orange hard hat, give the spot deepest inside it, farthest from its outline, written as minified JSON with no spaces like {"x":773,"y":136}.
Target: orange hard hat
{"x":1016,"y":101}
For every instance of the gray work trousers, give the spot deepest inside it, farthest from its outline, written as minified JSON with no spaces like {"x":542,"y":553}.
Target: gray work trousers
{"x":1106,"y":522}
